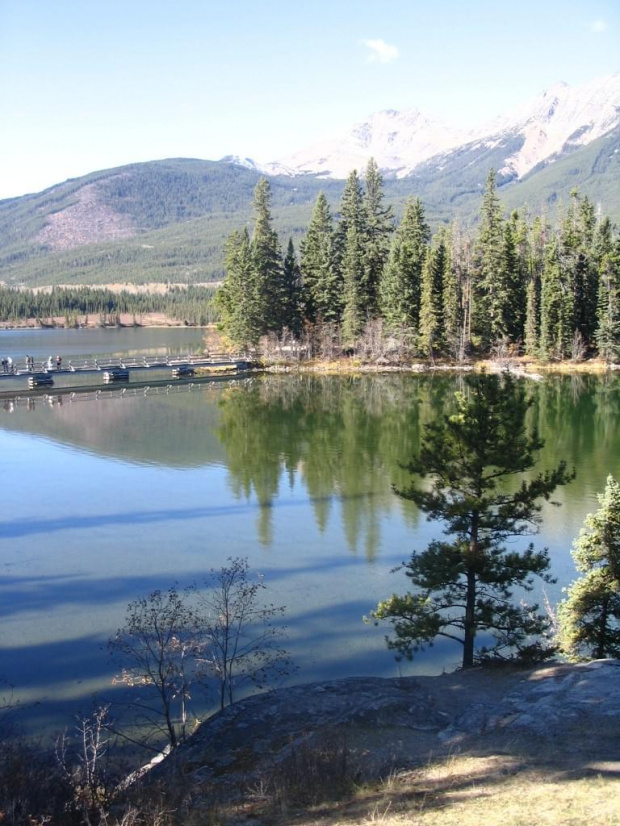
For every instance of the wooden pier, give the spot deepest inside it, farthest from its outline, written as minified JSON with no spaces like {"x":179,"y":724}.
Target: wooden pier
{"x":41,"y":376}
{"x":94,"y":365}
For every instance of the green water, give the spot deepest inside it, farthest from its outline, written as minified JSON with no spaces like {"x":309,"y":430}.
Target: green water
{"x":107,"y":498}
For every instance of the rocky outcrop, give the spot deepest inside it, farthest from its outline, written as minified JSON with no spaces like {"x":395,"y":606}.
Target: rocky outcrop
{"x":385,"y":724}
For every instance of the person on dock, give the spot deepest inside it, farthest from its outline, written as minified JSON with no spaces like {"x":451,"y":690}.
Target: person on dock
{"x":9,"y":363}
{"x":5,"y":365}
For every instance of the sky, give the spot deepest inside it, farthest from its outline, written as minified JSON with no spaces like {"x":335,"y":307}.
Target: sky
{"x":93,"y":84}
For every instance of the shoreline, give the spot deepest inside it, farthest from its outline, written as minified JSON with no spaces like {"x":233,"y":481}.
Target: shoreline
{"x":520,"y":366}
{"x":533,"y":370}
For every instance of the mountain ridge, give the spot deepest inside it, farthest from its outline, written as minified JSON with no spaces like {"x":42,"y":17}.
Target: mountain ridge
{"x":167,"y":221}
{"x":560,"y":117}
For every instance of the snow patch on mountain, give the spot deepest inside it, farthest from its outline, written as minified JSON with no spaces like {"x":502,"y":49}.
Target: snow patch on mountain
{"x":398,"y":141}
{"x":561,"y":118}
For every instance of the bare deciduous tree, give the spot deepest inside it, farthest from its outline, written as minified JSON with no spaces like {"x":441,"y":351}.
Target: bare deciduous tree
{"x":239,"y":635}
{"x":155,"y":649}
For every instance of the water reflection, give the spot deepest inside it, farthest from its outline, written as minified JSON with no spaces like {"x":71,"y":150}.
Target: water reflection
{"x":107,"y":496}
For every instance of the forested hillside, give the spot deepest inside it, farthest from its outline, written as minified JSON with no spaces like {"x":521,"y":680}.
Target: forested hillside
{"x":167,"y":221}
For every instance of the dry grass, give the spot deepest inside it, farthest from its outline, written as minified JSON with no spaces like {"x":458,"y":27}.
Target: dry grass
{"x":489,"y":790}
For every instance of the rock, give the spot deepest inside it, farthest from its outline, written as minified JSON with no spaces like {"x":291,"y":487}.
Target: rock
{"x":383,"y":724}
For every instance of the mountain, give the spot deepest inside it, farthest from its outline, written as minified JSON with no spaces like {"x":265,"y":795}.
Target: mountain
{"x":398,"y":141}
{"x":167,"y":221}
{"x":559,"y":120}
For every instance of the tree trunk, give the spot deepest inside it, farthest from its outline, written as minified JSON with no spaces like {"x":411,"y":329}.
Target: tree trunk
{"x":470,"y":621}
{"x":601,"y":642}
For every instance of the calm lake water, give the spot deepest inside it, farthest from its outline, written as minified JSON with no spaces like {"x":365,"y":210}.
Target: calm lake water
{"x":106,"y":499}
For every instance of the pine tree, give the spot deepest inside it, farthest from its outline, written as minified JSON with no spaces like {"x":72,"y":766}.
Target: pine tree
{"x":589,"y":618}
{"x":379,"y":221}
{"x":464,"y":587}
{"x":240,"y":300}
{"x":534,"y":257}
{"x":556,"y":308}
{"x":353,"y":266}
{"x":489,"y":299}
{"x":290,"y":308}
{"x":267,"y":259}
{"x":459,"y":305}
{"x":512,"y":277}
{"x":452,"y":321}
{"x":400,"y":285}
{"x":321,"y":280}
{"x":352,"y":212}
{"x":608,"y":309}
{"x":579,"y":273}
{"x":430,"y":339}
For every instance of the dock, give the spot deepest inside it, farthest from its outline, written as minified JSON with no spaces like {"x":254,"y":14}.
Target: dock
{"x":41,"y":376}
{"x":94,"y":365}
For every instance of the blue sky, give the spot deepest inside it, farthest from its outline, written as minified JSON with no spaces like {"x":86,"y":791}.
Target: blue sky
{"x":92,"y":84}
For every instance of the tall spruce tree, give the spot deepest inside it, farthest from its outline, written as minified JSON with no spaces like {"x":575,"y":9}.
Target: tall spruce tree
{"x":512,"y":277}
{"x":463,"y":587}
{"x":430,"y":338}
{"x":349,"y":246}
{"x":489,"y":299}
{"x":290,"y":307}
{"x":452,"y":320}
{"x":379,"y":226}
{"x":578,"y":269}
{"x":267,"y":259}
{"x":589,"y":618}
{"x":240,"y":298}
{"x":534,"y":264}
{"x":556,"y":307}
{"x":321,"y":278}
{"x":353,"y":316}
{"x":608,"y":309}
{"x":400,"y":285}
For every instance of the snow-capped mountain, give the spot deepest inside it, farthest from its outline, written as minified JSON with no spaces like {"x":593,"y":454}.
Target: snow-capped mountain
{"x":560,"y":119}
{"x":398,"y":141}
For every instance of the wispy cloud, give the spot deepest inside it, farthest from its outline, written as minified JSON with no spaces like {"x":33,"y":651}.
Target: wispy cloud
{"x":598,"y":26}
{"x":379,"y":51}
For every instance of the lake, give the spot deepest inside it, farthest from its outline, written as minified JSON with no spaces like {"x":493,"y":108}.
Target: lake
{"x":108,"y":497}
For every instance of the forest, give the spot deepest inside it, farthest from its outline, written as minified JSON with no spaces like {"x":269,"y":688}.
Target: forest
{"x":515,"y":285}
{"x":193,"y":305}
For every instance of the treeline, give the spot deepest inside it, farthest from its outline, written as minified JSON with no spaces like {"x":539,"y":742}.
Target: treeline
{"x":192,"y":305}
{"x":517,"y":285}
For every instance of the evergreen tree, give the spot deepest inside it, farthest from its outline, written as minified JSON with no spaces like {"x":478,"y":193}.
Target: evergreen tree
{"x":400,"y":285}
{"x":350,"y":237}
{"x":589,"y":618}
{"x":512,"y":277}
{"x":578,"y":269}
{"x":379,"y":221}
{"x":267,"y":260}
{"x":464,"y":587}
{"x":452,"y":301}
{"x":459,"y":304}
{"x":240,"y":299}
{"x":353,"y":265}
{"x":534,"y":258}
{"x":290,"y":308}
{"x":556,"y":308}
{"x":489,"y":299}
{"x":608,"y":310}
{"x":352,"y":212}
{"x":321,"y":279}
{"x":430,"y":339}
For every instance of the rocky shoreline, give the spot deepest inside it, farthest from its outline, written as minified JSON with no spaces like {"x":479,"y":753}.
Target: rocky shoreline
{"x":391,"y":724}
